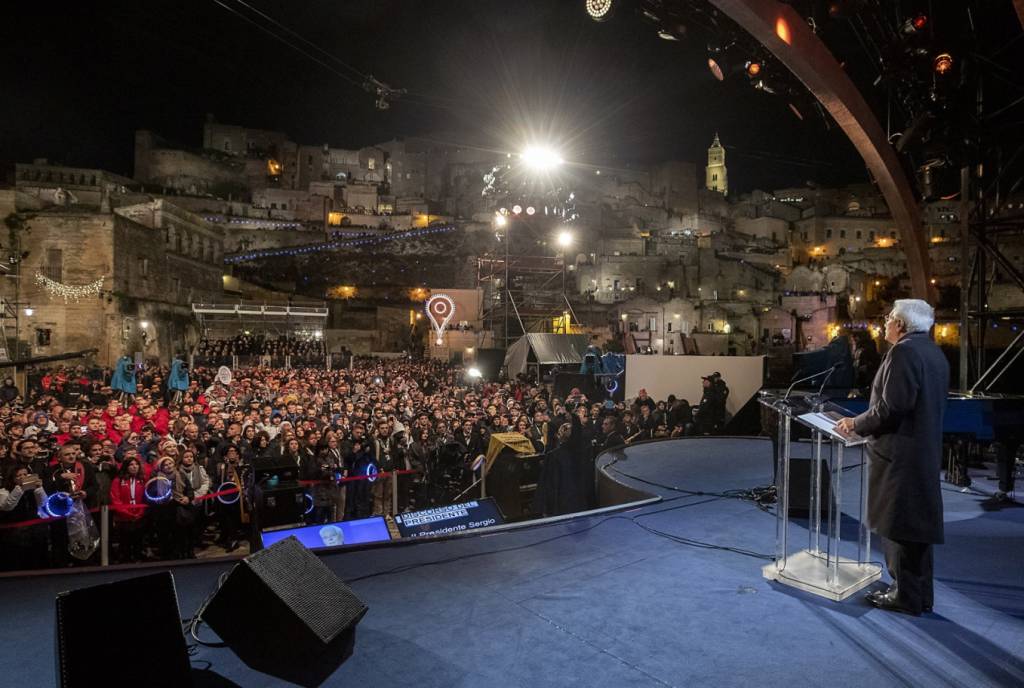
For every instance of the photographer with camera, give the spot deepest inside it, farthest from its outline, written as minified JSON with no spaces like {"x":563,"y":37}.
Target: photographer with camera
{"x":25,"y":547}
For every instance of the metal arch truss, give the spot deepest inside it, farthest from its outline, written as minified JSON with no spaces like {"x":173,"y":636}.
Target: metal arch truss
{"x":812,"y":63}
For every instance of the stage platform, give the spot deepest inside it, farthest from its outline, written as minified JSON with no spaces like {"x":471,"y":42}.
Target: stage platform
{"x":669,"y":594}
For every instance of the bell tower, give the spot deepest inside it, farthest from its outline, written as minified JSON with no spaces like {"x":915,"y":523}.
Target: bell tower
{"x":717,"y":176}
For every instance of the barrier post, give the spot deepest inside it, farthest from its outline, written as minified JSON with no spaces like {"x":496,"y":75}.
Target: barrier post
{"x":394,"y":492}
{"x":105,"y":535}
{"x":483,"y":480}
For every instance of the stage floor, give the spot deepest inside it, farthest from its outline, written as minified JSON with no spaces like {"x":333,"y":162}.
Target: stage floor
{"x":605,"y":601}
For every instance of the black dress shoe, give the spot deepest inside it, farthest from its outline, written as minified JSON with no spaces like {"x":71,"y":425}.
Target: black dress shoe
{"x":889,"y":601}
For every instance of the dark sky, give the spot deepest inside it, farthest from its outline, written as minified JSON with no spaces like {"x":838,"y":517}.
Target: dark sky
{"x":79,"y":78}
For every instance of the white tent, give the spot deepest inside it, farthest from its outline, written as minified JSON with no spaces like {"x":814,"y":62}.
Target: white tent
{"x":544,"y":349}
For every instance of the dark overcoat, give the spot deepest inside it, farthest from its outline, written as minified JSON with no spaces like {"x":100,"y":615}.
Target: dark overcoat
{"x":903,"y":424}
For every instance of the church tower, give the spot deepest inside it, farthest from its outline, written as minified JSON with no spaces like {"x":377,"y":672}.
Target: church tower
{"x":717,"y":176}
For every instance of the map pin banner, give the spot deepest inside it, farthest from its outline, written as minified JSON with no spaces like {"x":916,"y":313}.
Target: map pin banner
{"x":440,"y":311}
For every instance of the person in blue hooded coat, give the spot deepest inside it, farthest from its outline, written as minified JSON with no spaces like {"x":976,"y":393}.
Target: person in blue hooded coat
{"x":178,"y":382}
{"x":124,"y":379}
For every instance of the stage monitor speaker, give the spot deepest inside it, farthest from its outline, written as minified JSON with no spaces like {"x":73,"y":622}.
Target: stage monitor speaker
{"x":280,"y":506}
{"x":95,"y":630}
{"x":286,"y":614}
{"x":800,"y":487}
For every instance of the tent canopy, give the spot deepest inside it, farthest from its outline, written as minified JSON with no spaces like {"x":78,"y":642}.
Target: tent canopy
{"x":545,"y":349}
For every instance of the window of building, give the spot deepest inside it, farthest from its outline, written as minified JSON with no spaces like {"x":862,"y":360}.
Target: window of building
{"x":176,"y":286}
{"x":892,"y":235}
{"x":273,"y":206}
{"x":871,"y":235}
{"x":842,"y":233}
{"x":803,"y":235}
{"x":371,"y":164}
{"x":859,"y":234}
{"x":714,"y":177}
{"x":652,"y":323}
{"x":43,"y":336}
{"x":828,"y":233}
{"x":54,"y":268}
{"x":143,"y":267}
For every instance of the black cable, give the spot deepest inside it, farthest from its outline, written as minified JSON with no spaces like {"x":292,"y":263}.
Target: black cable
{"x":631,"y":519}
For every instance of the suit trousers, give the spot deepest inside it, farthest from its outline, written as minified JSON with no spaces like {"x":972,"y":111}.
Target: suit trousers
{"x":910,"y":564}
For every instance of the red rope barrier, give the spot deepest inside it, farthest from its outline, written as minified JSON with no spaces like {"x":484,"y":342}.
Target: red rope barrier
{"x":209,"y":495}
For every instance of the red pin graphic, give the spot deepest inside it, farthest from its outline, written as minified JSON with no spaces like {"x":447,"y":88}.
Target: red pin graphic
{"x":440,"y":310}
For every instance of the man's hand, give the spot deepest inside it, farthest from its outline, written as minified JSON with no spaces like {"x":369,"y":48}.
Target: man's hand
{"x":845,"y":426}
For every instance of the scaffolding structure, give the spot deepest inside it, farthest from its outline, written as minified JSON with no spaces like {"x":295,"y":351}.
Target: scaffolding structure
{"x":524,"y":293}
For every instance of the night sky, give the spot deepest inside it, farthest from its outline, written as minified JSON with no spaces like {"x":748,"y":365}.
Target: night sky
{"x":79,"y":78}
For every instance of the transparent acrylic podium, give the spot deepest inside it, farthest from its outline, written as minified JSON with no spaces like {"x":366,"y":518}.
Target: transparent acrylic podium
{"x":819,"y":568}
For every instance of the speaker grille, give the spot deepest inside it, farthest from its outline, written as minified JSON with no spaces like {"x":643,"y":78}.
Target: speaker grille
{"x":305,"y":584}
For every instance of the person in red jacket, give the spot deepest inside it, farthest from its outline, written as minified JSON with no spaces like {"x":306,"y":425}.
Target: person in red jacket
{"x":127,"y":500}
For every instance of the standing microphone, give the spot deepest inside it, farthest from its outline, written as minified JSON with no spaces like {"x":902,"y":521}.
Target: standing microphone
{"x":825,"y":381}
{"x":809,"y":377}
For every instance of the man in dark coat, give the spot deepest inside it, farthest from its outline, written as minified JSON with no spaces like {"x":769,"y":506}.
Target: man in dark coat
{"x":903,"y":424}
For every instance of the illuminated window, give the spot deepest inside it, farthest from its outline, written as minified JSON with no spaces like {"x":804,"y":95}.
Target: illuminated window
{"x":371,"y":164}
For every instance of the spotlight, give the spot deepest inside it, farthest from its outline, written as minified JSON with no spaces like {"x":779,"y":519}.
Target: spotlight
{"x":474,"y":373}
{"x":565,"y":238}
{"x":530,"y":210}
{"x":599,"y":10}
{"x":143,"y":324}
{"x":541,"y":158}
{"x":29,"y":311}
{"x":753,"y":68}
{"x":500,"y":220}
{"x":516,"y":209}
{"x":943,"y":63}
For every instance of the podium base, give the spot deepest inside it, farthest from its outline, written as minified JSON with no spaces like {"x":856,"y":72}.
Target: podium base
{"x":809,"y":571}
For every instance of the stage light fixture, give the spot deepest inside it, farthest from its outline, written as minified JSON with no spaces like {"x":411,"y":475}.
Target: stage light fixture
{"x":943,"y":63}
{"x":565,"y":238}
{"x":753,"y":68}
{"x":500,"y":220}
{"x":474,"y":373}
{"x":599,"y":10}
{"x":541,"y":158}
{"x":920,"y":21}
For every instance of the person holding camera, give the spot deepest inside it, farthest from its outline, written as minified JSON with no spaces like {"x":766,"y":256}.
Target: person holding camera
{"x":23,"y":547}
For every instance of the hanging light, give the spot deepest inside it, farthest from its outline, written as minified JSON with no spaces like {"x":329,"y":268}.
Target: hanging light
{"x":599,"y":10}
{"x":942,"y":63}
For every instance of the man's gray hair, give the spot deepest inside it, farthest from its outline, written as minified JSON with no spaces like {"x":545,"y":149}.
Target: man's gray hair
{"x":916,"y":315}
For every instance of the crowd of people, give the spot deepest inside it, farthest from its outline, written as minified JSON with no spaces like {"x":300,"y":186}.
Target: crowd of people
{"x":260,"y":345}
{"x":75,"y":434}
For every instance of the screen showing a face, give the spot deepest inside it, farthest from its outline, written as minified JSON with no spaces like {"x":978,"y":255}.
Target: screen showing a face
{"x":356,"y":532}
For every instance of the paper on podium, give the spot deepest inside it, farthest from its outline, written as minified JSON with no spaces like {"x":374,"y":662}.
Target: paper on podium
{"x":825,"y":421}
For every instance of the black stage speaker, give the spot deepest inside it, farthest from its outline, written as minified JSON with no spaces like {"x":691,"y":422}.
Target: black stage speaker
{"x":95,"y":627}
{"x":800,"y":487}
{"x":281,"y":505}
{"x":269,"y":465}
{"x":286,"y":614}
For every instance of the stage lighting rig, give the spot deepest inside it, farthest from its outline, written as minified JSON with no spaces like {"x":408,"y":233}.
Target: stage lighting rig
{"x":600,"y":10}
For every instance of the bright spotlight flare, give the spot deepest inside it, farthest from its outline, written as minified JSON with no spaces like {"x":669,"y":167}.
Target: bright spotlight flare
{"x":565,"y":238}
{"x":474,"y":373}
{"x":541,"y":158}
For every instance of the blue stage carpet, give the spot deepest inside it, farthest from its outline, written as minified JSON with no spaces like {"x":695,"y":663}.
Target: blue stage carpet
{"x":604,"y":601}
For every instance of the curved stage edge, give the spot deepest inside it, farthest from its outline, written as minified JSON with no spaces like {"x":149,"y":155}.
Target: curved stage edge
{"x":665,"y":590}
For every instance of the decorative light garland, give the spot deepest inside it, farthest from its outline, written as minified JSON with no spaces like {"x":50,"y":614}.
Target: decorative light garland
{"x":74,"y":293}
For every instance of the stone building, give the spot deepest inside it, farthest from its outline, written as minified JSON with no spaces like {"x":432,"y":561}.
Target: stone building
{"x":119,"y":281}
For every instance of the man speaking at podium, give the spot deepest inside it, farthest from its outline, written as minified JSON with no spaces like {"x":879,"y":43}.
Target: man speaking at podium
{"x":903,"y":424}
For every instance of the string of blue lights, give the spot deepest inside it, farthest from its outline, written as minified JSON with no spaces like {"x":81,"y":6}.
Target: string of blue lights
{"x":304,"y":249}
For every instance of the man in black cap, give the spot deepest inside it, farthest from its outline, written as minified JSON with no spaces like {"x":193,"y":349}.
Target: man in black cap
{"x":710,"y":416}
